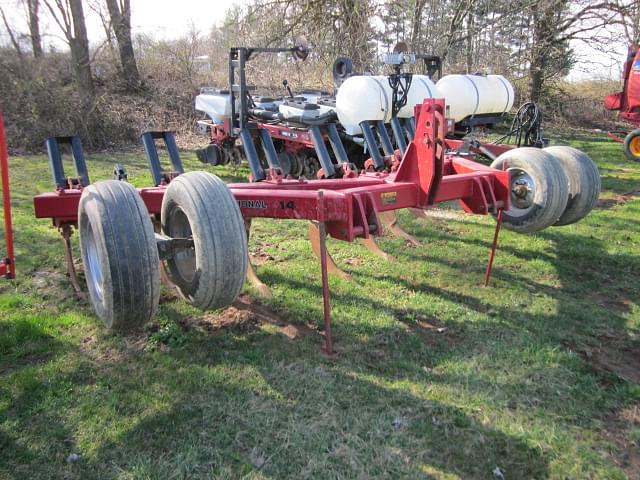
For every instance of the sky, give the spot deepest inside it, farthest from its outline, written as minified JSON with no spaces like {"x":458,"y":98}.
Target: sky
{"x":161,"y":19}
{"x":170,"y":18}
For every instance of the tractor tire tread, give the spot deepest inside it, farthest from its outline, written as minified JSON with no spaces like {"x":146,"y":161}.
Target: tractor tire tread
{"x":127,"y":253}
{"x":584,"y":183}
{"x":219,"y":237}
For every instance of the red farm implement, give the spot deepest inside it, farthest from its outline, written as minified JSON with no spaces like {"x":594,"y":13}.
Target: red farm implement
{"x":194,"y":228}
{"x":627,"y":103}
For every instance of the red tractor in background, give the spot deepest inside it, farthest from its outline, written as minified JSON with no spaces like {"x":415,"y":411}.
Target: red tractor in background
{"x":627,"y":102}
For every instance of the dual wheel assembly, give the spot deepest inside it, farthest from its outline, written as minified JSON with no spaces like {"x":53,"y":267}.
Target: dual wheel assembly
{"x":553,"y":186}
{"x":120,"y":248}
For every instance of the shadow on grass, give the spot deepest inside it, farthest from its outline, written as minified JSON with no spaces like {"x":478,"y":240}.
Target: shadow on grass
{"x":301,"y":418}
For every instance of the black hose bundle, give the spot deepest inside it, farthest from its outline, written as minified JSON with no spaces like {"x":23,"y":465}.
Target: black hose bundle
{"x":526,"y":127}
{"x":400,"y":84}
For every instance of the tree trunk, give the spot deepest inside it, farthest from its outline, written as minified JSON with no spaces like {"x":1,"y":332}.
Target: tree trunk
{"x":416,"y":27}
{"x":469,"y":47}
{"x":536,"y":78}
{"x":121,"y":23}
{"x":33,"y":7}
{"x":79,"y":45}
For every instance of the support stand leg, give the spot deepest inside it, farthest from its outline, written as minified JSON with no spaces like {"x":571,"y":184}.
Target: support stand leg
{"x":332,"y":267}
{"x":252,"y":276}
{"x":494,"y":247}
{"x":391,"y":223}
{"x":326,"y":301}
{"x":68,"y":255}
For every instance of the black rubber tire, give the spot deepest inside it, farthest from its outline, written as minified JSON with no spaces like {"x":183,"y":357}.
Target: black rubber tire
{"x":584,"y":183}
{"x":119,"y":254}
{"x":549,"y":192}
{"x":214,"y":155}
{"x":631,"y":136}
{"x":200,"y":205}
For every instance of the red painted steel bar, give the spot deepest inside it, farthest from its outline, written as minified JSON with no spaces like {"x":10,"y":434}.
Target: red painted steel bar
{"x":326,"y":300}
{"x":426,"y":175}
{"x":8,"y":264}
{"x":494,"y":247}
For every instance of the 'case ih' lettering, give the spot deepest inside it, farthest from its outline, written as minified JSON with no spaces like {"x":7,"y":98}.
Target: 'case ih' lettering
{"x":252,"y":204}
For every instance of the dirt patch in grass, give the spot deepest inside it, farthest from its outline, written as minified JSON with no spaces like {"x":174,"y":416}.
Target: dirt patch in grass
{"x":260,"y":257}
{"x":616,"y":355}
{"x":354,"y":261}
{"x":616,"y":199}
{"x":230,"y":319}
{"x":27,"y":361}
{"x":622,"y":429}
{"x":619,"y":303}
{"x":432,"y":330}
{"x":97,"y":351}
{"x":246,"y":315}
{"x":103,"y":353}
{"x":52,"y":285}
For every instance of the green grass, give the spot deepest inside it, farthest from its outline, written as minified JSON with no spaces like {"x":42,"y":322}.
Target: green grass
{"x":520,"y":376}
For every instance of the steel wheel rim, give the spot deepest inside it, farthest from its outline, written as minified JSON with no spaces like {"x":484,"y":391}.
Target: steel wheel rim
{"x":93,"y":273}
{"x":183,"y":260}
{"x":634,"y":146}
{"x":523,"y":191}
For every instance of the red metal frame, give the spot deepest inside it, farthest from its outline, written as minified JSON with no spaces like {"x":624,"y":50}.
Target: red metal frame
{"x":7,"y":264}
{"x":618,"y":135}
{"x":294,"y":138}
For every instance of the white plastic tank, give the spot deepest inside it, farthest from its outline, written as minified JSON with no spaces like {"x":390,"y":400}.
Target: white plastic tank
{"x":421,"y":87}
{"x":215,"y":104}
{"x":470,"y":95}
{"x":361,"y":98}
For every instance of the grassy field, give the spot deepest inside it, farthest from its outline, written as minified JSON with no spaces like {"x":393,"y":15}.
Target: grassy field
{"x":434,"y":377}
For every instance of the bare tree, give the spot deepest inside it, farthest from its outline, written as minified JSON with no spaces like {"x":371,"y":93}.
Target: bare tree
{"x":120,"y":13}
{"x":69,"y":16}
{"x":33,"y":15}
{"x":629,"y":12}
{"x":556,"y":23}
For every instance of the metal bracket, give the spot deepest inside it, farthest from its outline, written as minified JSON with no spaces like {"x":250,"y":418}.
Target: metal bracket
{"x":159,"y":175}
{"x":55,"y":162}
{"x":168,"y":247}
